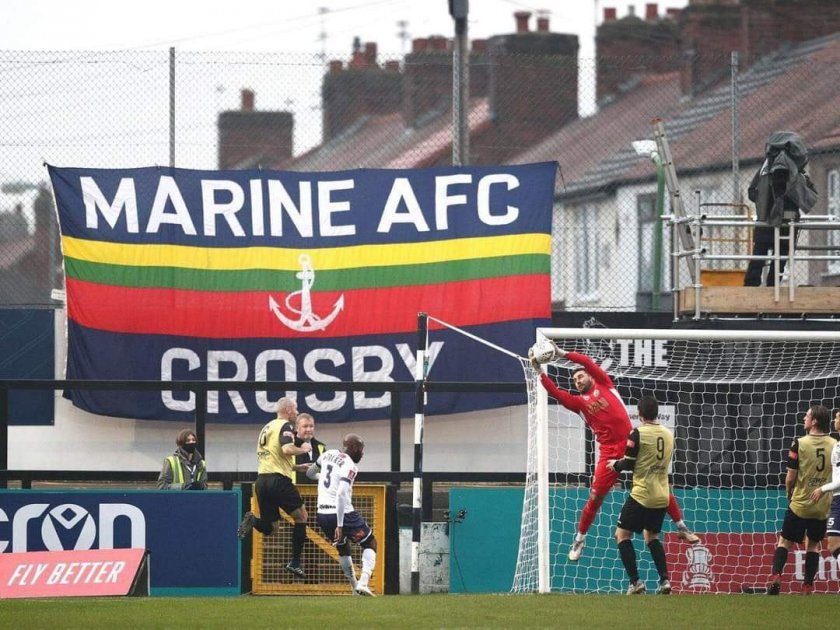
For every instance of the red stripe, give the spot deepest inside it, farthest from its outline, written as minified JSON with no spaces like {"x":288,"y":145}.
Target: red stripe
{"x":247,"y":314}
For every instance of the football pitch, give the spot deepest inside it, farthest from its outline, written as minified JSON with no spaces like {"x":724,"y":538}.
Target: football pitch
{"x":427,"y":611}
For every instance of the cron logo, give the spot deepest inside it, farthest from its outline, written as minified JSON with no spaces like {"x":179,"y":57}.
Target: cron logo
{"x":69,"y":526}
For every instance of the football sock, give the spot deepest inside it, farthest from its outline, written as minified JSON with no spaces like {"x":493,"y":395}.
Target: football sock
{"x":779,"y":559}
{"x":628,"y":559}
{"x":263,"y":526}
{"x":675,"y":512}
{"x":657,"y":552}
{"x":346,"y":563}
{"x":298,"y":538}
{"x":368,"y":564}
{"x":812,"y":562}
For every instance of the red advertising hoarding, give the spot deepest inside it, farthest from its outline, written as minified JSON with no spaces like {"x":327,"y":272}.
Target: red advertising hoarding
{"x":84,"y":573}
{"x":737,"y":563}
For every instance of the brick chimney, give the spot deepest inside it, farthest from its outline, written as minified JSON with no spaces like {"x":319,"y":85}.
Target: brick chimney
{"x":427,"y":80}
{"x":532,"y":88}
{"x":542,"y":22}
{"x":248,"y":138}
{"x":610,"y":14}
{"x":479,"y":68}
{"x":754,"y":28}
{"x":247,"y":100}
{"x":522,"y":18}
{"x":766,"y":26}
{"x":362,"y":89}
{"x":631,"y":47}
{"x":651,"y":12}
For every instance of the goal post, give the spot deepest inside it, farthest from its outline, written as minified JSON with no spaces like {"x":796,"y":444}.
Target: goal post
{"x":734,"y":400}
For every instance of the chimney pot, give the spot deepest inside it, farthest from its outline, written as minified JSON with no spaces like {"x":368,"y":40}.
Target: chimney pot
{"x":437,"y":42}
{"x":542,"y":24}
{"x":247,"y":100}
{"x":522,"y":18}
{"x":609,"y":14}
{"x":651,"y":12}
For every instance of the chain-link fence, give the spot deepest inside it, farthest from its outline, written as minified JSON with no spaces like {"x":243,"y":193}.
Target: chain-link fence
{"x":531,"y":99}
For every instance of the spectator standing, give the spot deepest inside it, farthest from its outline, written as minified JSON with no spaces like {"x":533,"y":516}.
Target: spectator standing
{"x":305,"y":432}
{"x":185,"y":469}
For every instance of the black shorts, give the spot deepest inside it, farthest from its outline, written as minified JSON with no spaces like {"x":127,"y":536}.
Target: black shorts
{"x":635,"y":517}
{"x":795,"y":527}
{"x":355,"y":528}
{"x":276,"y":492}
{"x":833,"y":524}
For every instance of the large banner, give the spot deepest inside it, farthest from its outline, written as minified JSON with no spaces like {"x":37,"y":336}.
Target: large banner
{"x":176,"y":274}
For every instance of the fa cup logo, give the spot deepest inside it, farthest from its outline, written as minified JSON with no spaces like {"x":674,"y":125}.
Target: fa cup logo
{"x":698,"y":576}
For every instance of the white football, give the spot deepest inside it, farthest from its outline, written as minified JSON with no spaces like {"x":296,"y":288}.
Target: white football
{"x":543,"y":351}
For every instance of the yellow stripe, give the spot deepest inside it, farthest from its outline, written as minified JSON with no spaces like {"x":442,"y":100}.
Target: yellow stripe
{"x":236,"y":258}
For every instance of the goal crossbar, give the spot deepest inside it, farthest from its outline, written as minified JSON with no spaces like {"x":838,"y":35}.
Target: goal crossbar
{"x":678,"y":334}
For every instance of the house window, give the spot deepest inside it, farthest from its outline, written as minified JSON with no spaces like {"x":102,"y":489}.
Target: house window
{"x":587,"y":263}
{"x":646,"y":208}
{"x":833,"y":236}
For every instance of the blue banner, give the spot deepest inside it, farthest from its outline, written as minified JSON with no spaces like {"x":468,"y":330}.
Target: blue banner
{"x":191,"y":536}
{"x":176,"y":274}
{"x":27,"y":352}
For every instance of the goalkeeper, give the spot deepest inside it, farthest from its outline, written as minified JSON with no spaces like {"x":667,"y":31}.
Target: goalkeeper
{"x":603,"y":411}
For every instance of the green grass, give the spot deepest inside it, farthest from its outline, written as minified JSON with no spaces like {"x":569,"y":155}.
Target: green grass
{"x":427,"y":611}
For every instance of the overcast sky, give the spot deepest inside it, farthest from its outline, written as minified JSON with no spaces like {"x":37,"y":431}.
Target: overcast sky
{"x":277,"y":25}
{"x":115,"y":114}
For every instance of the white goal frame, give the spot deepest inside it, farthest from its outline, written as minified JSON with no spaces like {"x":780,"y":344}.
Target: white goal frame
{"x":543,"y":534}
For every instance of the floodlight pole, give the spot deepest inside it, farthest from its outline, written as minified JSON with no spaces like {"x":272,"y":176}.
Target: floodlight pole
{"x":172,"y":106}
{"x":459,"y":9}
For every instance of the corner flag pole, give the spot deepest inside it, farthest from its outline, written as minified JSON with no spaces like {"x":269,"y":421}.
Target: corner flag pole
{"x":417,"y":491}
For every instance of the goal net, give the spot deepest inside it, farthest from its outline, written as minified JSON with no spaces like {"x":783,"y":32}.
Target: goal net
{"x":734,"y":401}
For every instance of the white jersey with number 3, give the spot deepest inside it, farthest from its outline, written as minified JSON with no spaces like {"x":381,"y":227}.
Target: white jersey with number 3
{"x":336,"y":468}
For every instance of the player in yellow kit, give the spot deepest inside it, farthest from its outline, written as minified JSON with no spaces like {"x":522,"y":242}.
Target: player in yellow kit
{"x":808,"y":468}
{"x":275,"y":487}
{"x":648,"y":455}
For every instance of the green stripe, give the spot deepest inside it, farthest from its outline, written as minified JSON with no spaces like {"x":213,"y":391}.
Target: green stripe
{"x":284,"y":282}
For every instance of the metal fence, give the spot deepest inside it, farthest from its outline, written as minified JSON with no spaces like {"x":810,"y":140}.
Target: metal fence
{"x":305,"y":112}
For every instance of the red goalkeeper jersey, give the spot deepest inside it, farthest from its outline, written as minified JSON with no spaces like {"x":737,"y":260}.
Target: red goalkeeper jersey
{"x":601,"y":407}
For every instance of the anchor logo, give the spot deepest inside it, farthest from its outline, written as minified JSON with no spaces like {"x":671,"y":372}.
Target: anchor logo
{"x":307,"y":320}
